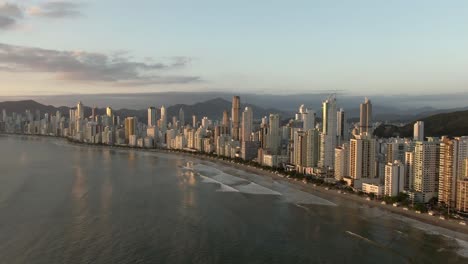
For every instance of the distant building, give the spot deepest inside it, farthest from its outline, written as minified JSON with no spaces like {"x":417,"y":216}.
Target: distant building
{"x":235,"y":118}
{"x":365,"y":123}
{"x":418,"y":131}
{"x":328,"y":136}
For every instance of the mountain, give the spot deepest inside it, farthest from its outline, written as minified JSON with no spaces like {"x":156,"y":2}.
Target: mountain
{"x":444,"y":124}
{"x":402,"y":107}
{"x":212,"y":109}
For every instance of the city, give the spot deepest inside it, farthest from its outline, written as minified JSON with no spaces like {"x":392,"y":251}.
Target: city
{"x":232,"y":132}
{"x":425,"y":174}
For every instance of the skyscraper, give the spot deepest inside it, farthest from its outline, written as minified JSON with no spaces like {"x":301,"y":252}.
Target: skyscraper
{"x":453,"y":153}
{"x":181,"y":117}
{"x":109,"y":112}
{"x":151,"y":117}
{"x":426,"y":170}
{"x":274,"y":137}
{"x":94,"y":112}
{"x":418,"y":131}
{"x":328,"y":137}
{"x":362,"y":157}
{"x":365,"y":124}
{"x":80,"y":110}
{"x":194,"y":121}
{"x":341,"y":128}
{"x":342,"y":161}
{"x":235,"y":117}
{"x":247,"y":120}
{"x":163,"y":117}
{"x":394,"y":178}
{"x":130,"y":128}
{"x":308,"y":119}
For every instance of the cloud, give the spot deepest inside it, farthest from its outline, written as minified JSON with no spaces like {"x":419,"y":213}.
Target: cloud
{"x":9,"y":14}
{"x":56,"y":9}
{"x":87,"y":66}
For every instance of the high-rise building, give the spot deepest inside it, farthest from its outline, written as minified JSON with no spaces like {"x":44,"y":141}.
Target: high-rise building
{"x":235,"y":118}
{"x":394,"y":178}
{"x":109,"y":112}
{"x":362,"y":157}
{"x":365,"y":124}
{"x":462,"y":195}
{"x":93,"y":113}
{"x":452,"y":156}
{"x":300,"y":149}
{"x":448,"y":171}
{"x":418,"y":131}
{"x":396,"y":149}
{"x":313,"y":147}
{"x":130,"y":128}
{"x":194,"y":121}
{"x":274,"y":136}
{"x":163,"y":118}
{"x":426,"y":170}
{"x":328,"y":137}
{"x":342,"y":161}
{"x":308,"y":119}
{"x":151,"y":117}
{"x":247,"y":122}
{"x":80,"y":110}
{"x":409,"y":170}
{"x":341,"y":127}
{"x":181,"y":117}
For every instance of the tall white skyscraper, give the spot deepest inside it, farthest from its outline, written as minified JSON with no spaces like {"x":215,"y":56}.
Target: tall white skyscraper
{"x":151,"y":117}
{"x":163,"y":117}
{"x":328,"y":137}
{"x":365,"y":124}
{"x":247,"y":121}
{"x":418,"y":131}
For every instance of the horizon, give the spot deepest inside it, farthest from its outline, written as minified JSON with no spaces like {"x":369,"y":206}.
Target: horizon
{"x":362,"y":48}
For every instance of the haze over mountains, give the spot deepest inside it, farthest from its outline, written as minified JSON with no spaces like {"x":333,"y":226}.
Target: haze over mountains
{"x":396,"y":107}
{"x":212,"y":109}
{"x":212,"y":104}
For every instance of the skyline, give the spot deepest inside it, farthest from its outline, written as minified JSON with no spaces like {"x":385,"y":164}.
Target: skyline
{"x":366,"y":47}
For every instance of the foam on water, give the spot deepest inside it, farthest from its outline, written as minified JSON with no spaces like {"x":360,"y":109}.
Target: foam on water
{"x":251,"y":183}
{"x":253,"y":188}
{"x":222,"y":187}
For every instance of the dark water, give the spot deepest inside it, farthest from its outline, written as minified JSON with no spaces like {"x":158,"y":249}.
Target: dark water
{"x":72,"y":204}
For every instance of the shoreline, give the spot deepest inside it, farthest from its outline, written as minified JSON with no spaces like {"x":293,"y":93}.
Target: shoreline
{"x":320,"y":191}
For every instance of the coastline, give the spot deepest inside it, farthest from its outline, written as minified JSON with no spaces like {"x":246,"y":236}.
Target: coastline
{"x":320,"y":191}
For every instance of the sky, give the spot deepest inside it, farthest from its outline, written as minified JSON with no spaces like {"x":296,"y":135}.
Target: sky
{"x":359,"y":47}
